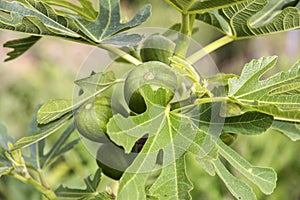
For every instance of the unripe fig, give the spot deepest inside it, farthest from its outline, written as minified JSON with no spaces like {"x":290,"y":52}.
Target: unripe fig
{"x":113,"y":160}
{"x":157,"y":48}
{"x":153,"y":82}
{"x":92,"y":117}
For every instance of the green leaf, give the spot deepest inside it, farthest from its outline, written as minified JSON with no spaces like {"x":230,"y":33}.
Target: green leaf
{"x":41,"y":133}
{"x":198,"y":6}
{"x":290,"y":129}
{"x":274,"y":96}
{"x":40,"y":160}
{"x":54,"y":109}
{"x":208,"y":115}
{"x":265,"y":178}
{"x":92,"y":86}
{"x":235,"y":21}
{"x":166,"y":131}
{"x":20,"y":46}
{"x":90,"y":192}
{"x":109,"y":23}
{"x":40,"y":19}
{"x":238,"y":188}
{"x":85,"y":9}
{"x":162,"y":188}
{"x":5,"y":170}
{"x":249,"y":123}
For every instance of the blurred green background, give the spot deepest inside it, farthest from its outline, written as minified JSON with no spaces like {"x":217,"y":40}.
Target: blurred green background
{"x":48,"y":70}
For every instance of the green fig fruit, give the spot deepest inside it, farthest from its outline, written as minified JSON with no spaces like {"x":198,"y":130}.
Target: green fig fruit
{"x":157,"y":48}
{"x":113,"y":160}
{"x":92,"y":117}
{"x":153,"y":82}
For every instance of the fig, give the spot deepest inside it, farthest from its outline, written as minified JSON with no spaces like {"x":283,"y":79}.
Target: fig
{"x":153,"y":82}
{"x":157,"y":48}
{"x":92,"y":117}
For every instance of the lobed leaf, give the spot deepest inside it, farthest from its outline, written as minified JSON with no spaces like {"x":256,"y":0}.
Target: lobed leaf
{"x":238,"y":188}
{"x":198,"y":6}
{"x":290,"y":129}
{"x":250,"y":18}
{"x":166,"y":131}
{"x":85,"y":10}
{"x":265,"y":178}
{"x":275,"y":96}
{"x":40,"y":19}
{"x":20,"y":46}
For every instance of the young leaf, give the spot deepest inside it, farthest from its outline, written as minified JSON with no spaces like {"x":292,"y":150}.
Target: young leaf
{"x":235,"y":21}
{"x":41,"y":133}
{"x":265,"y":178}
{"x":92,"y":86}
{"x":238,"y":188}
{"x":274,"y":96}
{"x":90,"y":192}
{"x":20,"y":46}
{"x":290,"y":129}
{"x":54,"y":109}
{"x":198,"y":6}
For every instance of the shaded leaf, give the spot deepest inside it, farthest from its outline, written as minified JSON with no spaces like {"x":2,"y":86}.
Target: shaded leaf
{"x":249,"y":123}
{"x":265,"y":178}
{"x":235,"y":21}
{"x":238,"y":188}
{"x":290,"y":129}
{"x":90,"y":192}
{"x":208,"y":115}
{"x":272,"y":95}
{"x":20,"y":46}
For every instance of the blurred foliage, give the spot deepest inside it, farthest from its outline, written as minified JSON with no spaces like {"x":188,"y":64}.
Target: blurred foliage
{"x":47,"y":75}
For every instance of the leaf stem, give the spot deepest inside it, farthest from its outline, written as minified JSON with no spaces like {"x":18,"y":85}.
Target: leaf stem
{"x":46,"y":192}
{"x":209,"y":48}
{"x":121,"y":53}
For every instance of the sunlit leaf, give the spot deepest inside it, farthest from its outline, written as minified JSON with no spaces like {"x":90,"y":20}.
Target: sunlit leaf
{"x":238,"y":188}
{"x":236,"y":21}
{"x":272,"y":95}
{"x":265,"y":178}
{"x":54,"y":109}
{"x":92,"y":86}
{"x":290,"y":129}
{"x":40,"y":19}
{"x":85,"y":9}
{"x":167,"y":132}
{"x":198,"y":6}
